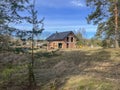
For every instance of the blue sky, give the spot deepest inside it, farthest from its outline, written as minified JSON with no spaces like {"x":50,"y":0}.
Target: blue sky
{"x":63,"y":15}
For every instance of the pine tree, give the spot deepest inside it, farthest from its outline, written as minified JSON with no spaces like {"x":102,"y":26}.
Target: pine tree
{"x":106,"y":12}
{"x":37,"y":28}
{"x":9,"y":13}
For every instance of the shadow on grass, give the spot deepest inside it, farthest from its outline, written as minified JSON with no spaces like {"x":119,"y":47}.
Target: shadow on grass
{"x":47,"y":54}
{"x":72,"y":63}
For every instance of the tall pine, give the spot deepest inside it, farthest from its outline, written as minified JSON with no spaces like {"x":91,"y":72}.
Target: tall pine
{"x":105,"y":13}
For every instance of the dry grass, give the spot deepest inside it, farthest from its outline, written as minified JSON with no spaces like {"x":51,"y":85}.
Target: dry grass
{"x":87,"y":83}
{"x":84,"y":69}
{"x":13,"y":71}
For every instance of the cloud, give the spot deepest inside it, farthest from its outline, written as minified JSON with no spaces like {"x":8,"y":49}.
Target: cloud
{"x":88,"y":28}
{"x":60,"y":3}
{"x":77,"y":3}
{"x":53,"y":3}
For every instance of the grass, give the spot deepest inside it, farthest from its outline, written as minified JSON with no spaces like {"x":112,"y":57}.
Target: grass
{"x":92,"y":69}
{"x":83,"y":69}
{"x":87,"y":83}
{"x":13,"y":71}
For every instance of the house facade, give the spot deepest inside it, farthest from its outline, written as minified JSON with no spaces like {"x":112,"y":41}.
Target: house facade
{"x":62,"y":40}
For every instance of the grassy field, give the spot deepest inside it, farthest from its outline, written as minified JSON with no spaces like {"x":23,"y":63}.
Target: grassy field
{"x":83,"y":69}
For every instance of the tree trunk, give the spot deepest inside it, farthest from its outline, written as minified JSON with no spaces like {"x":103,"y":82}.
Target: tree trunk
{"x":116,"y":25}
{"x":32,"y":82}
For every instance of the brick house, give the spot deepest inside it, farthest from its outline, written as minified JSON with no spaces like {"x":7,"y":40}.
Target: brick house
{"x":62,"y":40}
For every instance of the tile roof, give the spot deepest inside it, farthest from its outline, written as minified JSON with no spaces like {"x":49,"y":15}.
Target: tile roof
{"x":58,"y":36}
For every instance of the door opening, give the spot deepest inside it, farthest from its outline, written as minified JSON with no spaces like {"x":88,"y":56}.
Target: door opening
{"x":67,"y":45}
{"x":59,"y":45}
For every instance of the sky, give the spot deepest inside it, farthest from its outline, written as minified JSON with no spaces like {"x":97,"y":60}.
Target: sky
{"x":63,"y":15}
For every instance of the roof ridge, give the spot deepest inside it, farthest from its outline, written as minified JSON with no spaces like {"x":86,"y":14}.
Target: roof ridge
{"x":59,"y":35}
{"x":64,"y":31}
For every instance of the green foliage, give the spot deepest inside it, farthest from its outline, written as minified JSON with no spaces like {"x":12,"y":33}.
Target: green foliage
{"x":9,"y":10}
{"x":37,"y":28}
{"x":95,"y":42}
{"x":79,"y":43}
{"x":18,"y":50}
{"x":7,"y":73}
{"x":80,"y":34}
{"x":104,"y":43}
{"x":4,"y":42}
{"x":100,"y":12}
{"x":10,"y":13}
{"x":104,"y":15}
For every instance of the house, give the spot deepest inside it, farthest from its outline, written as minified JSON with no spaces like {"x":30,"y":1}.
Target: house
{"x":62,"y":40}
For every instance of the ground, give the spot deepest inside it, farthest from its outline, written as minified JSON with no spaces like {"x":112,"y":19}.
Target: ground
{"x":83,"y":69}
